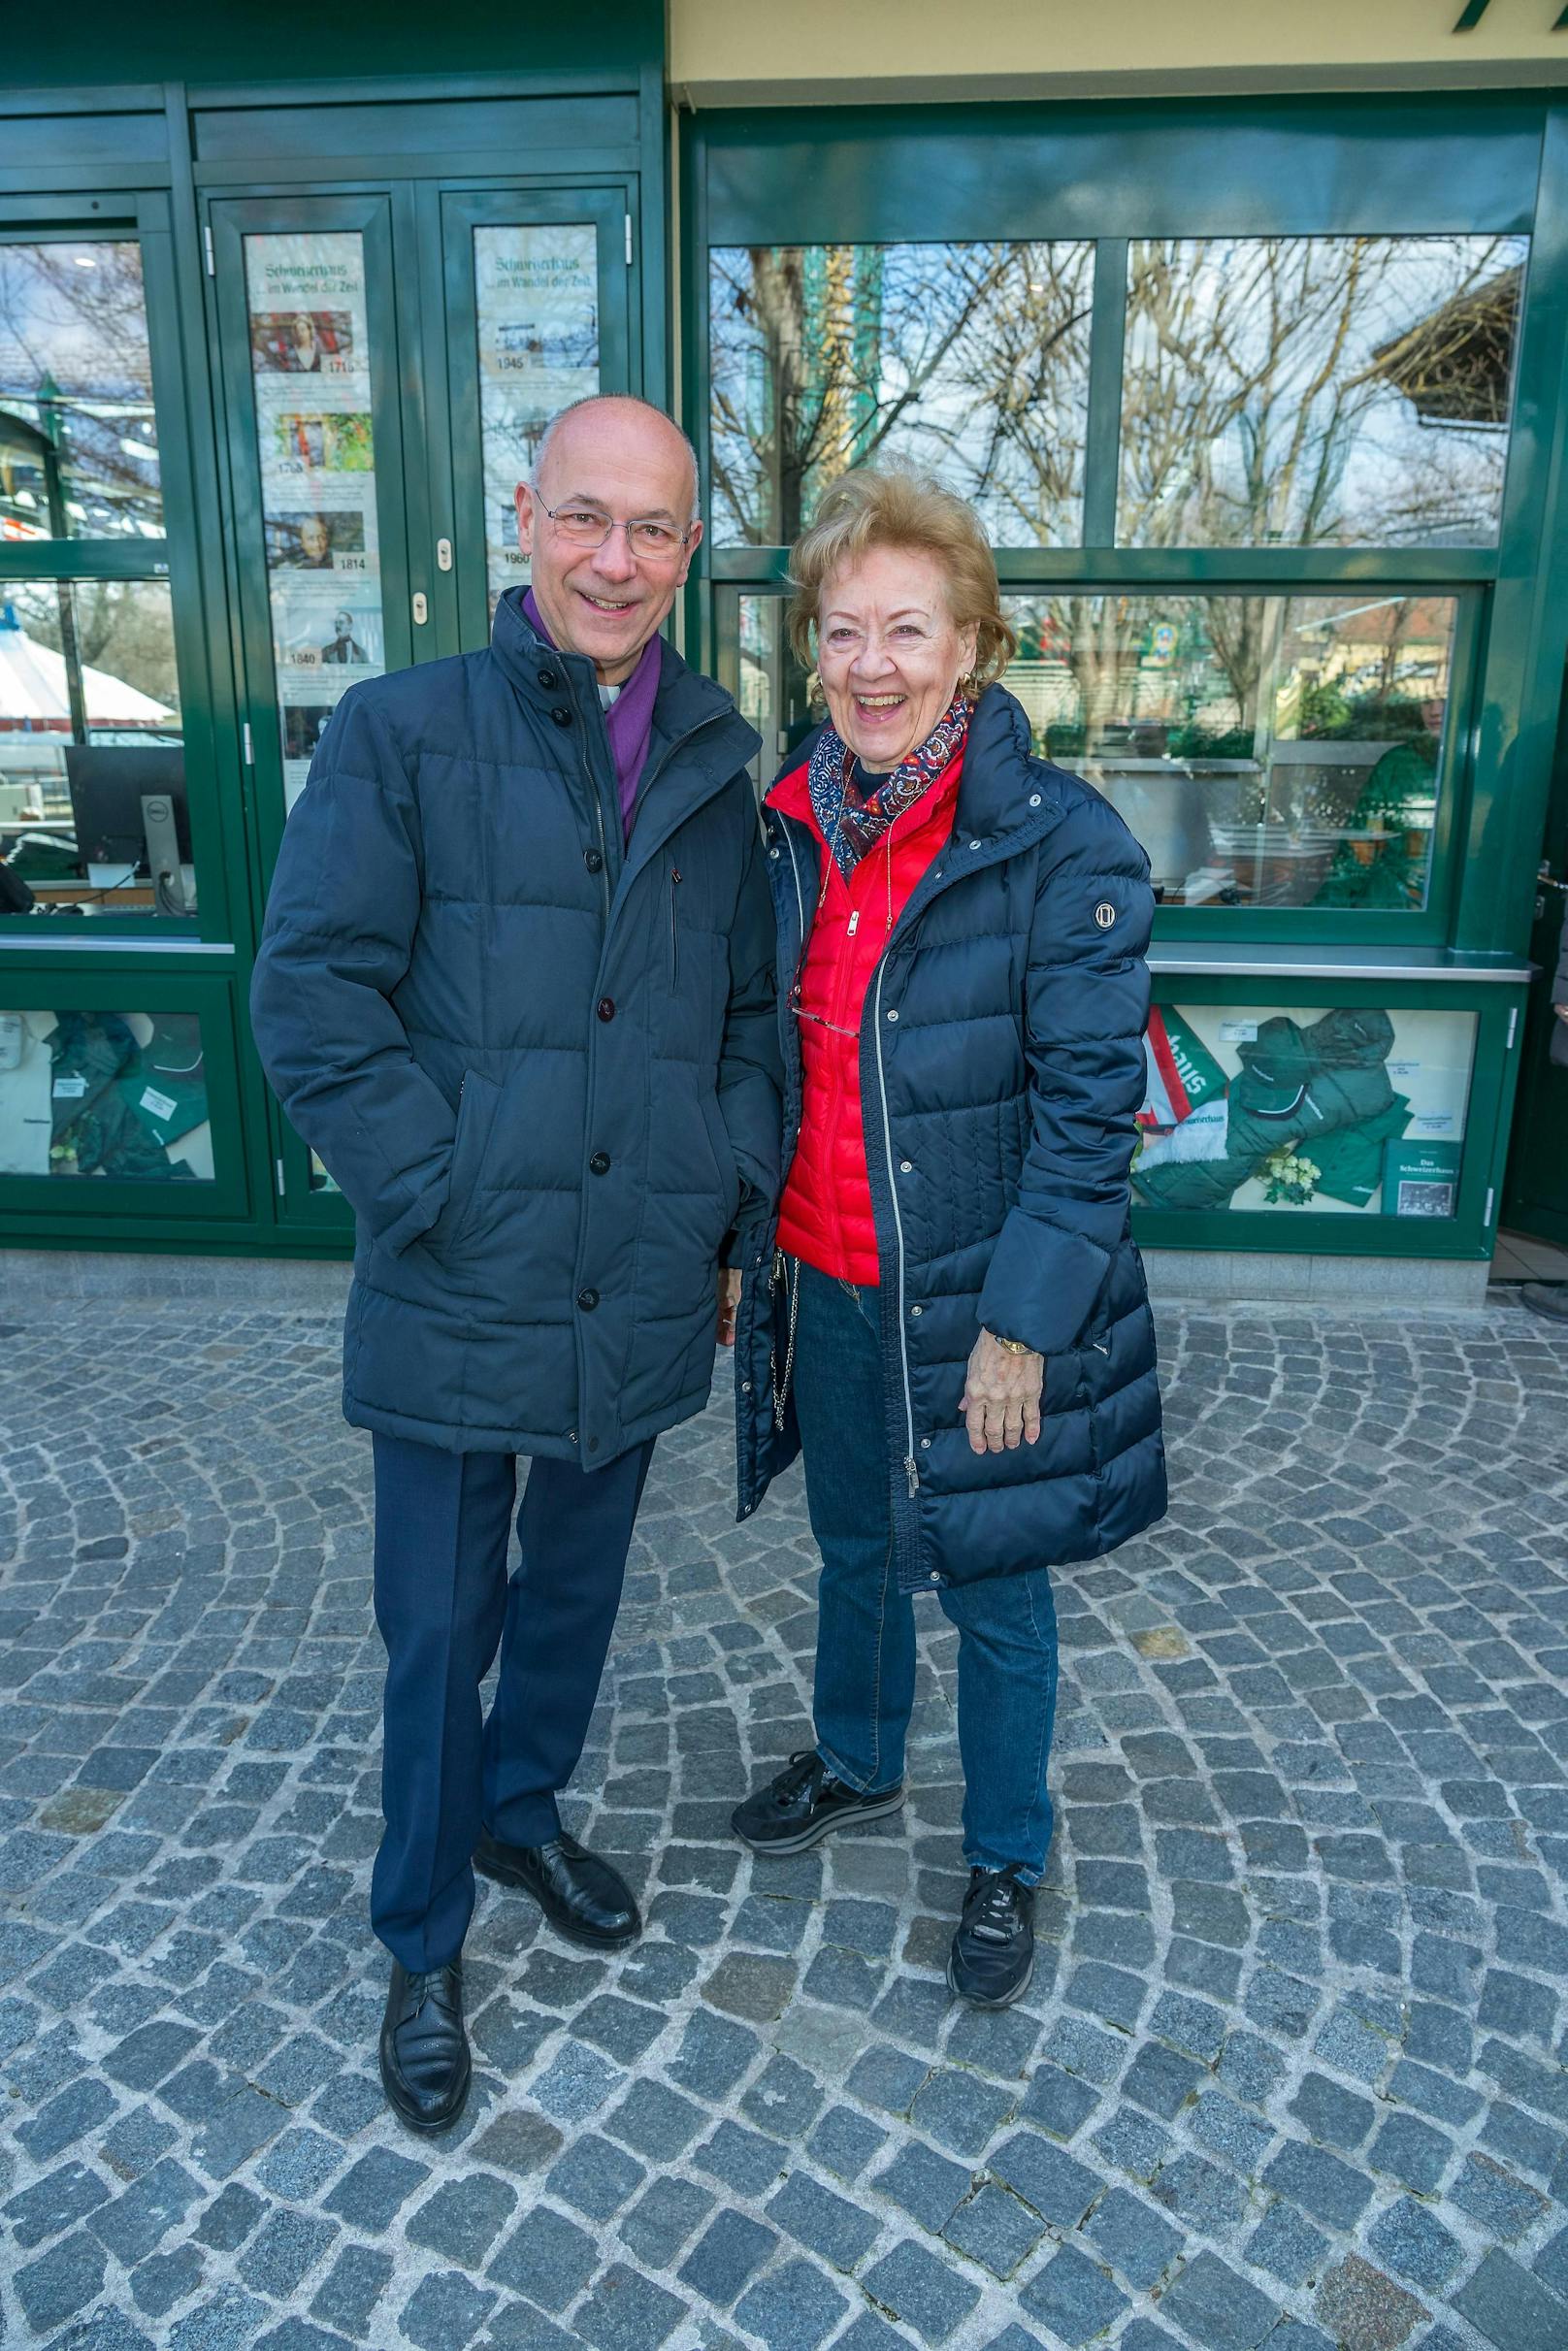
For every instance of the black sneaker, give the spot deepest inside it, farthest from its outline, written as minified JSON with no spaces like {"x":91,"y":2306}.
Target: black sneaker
{"x":803,"y":1803}
{"x":993,"y":1955}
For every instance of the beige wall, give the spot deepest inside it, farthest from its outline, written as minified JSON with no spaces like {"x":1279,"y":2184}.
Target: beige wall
{"x":735,"y":52}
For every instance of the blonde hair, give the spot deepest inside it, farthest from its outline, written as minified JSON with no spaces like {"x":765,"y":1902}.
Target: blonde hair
{"x":895,"y":506}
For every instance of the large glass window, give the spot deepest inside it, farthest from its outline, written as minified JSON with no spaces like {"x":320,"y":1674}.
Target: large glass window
{"x":1345,"y":1110}
{"x":79,"y":445}
{"x":1344,"y":391}
{"x":116,"y":1094}
{"x":969,"y":359}
{"x":93,"y":814}
{"x":1266,"y":750}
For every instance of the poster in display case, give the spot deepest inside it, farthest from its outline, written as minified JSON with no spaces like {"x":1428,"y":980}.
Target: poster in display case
{"x":536,"y":303}
{"x":1349,"y":1109}
{"x":316,"y":444}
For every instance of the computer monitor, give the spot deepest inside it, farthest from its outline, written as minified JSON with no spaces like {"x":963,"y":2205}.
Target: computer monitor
{"x":108,"y":783}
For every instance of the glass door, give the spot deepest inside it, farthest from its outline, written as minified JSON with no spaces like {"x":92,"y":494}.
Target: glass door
{"x":536,"y":287}
{"x":308,"y":341}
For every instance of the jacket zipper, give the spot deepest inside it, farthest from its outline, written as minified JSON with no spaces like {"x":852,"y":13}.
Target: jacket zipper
{"x":674,"y":928}
{"x":911,"y":1468}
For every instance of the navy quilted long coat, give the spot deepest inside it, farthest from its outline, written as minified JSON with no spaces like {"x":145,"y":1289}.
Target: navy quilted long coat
{"x":543,"y":1069}
{"x":1001,"y":1065}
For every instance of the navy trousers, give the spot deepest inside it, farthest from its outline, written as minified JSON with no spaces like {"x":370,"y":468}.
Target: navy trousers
{"x":443,"y":1605}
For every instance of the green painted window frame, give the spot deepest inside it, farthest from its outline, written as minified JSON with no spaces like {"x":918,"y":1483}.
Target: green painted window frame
{"x":172,"y":561}
{"x":1112,"y":172}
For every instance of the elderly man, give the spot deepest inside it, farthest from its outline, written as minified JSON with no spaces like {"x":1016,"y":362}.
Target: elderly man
{"x":514,"y":987}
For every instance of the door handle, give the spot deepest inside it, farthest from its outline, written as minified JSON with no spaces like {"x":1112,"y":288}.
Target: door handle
{"x":443,"y":554}
{"x":421,"y":608}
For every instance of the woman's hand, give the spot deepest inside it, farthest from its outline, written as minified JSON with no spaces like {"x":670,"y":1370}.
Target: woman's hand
{"x":1001,"y":1396}
{"x":729,"y":1304}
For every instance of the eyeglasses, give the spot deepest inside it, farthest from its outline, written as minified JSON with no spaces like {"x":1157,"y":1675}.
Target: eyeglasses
{"x":588,"y":527}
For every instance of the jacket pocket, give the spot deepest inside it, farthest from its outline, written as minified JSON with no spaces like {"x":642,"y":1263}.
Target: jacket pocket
{"x":477,"y":1103}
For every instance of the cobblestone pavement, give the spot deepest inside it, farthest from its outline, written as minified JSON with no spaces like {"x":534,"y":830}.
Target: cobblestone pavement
{"x":1292,"y":2069}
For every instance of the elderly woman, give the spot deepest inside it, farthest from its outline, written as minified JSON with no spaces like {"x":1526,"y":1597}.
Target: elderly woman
{"x":951,"y":1321}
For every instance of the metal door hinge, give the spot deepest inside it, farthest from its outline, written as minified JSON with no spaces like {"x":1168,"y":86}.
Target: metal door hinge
{"x":421,"y":608}
{"x":628,"y":240}
{"x":207,"y":247}
{"x":277,"y":1171}
{"x":1491,"y":1202}
{"x":1512,"y":1027}
{"x":248,"y":746}
{"x":443,"y":554}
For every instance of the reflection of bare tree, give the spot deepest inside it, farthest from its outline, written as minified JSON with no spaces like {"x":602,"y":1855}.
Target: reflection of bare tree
{"x":1316,"y":390}
{"x":74,"y":360}
{"x":971,"y":359}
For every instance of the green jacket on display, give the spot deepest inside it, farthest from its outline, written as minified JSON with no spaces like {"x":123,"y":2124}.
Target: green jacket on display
{"x":1298,"y":1089}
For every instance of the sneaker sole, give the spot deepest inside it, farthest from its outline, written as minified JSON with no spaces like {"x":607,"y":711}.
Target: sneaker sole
{"x":783,"y":1846}
{"x":513,"y":1879}
{"x":1008,"y":1999}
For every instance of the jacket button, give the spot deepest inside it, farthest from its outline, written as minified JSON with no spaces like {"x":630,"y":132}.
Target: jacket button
{"x":893,"y":1016}
{"x":592,"y":1445}
{"x":549,"y":680}
{"x":593,"y":861}
{"x":1034,"y":799}
{"x":605,"y":1007}
{"x":925,"y":1445}
{"x":974,"y":844}
{"x":772,"y":853}
{"x":917,"y":1310}
{"x":906,"y":1166}
{"x":587,"y":1300}
{"x":599,"y":1164}
{"x":561,"y":716}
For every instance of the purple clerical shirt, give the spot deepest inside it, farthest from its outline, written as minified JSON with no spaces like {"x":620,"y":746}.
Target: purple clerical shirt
{"x":629,"y":720}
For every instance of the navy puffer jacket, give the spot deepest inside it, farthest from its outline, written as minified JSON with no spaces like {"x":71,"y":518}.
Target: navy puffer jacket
{"x":1001,"y":1065}
{"x":543,"y":1069}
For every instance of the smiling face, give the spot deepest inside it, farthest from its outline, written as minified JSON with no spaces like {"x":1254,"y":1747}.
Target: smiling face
{"x":888,"y":653}
{"x":624,"y":461}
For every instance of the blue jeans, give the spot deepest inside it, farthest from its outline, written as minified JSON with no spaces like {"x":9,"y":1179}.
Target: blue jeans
{"x":865,"y":1630}
{"x":443,"y":1604}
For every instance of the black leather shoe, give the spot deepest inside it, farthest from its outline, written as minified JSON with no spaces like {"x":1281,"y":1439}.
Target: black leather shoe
{"x":425,"y":2067}
{"x":802,"y":1803}
{"x":993,"y":1955}
{"x":581,"y":1895}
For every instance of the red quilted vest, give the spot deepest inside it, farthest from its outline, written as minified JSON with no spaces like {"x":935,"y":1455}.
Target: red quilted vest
{"x":826,"y":1215}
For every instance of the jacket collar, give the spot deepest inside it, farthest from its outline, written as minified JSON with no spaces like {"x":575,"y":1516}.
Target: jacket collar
{"x":1008,"y":796}
{"x":685,"y":700}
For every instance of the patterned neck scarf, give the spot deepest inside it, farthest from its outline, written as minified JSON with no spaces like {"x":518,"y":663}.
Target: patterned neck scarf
{"x":852,"y":820}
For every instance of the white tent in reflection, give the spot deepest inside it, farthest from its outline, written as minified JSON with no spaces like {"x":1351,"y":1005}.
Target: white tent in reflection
{"x":33,"y":689}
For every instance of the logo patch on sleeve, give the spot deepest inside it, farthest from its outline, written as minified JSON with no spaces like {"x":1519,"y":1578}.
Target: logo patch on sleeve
{"x":1105,"y":914}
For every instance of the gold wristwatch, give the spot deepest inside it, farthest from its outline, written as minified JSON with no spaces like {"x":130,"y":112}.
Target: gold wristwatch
{"x":1014,"y":1347}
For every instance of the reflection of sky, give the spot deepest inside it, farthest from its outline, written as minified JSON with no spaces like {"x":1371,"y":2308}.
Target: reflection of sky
{"x":1398,"y":480}
{"x":42,"y":331}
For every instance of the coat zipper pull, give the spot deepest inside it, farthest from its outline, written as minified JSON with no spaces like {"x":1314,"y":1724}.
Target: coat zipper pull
{"x":674,"y":928}
{"x":911,"y":1471}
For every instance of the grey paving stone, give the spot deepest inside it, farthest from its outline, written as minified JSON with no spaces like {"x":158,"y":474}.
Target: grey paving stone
{"x":1133,"y":2238}
{"x":732,"y":2249}
{"x":793,"y":2308}
{"x":995,"y":2227}
{"x":927,"y":2185}
{"x":662,"y":2218}
{"x":1073,"y":2297}
{"x":444,"y":2312}
{"x":1323,"y":2186}
{"x":1218,"y":2307}
{"x":625,"y":2312}
{"x":595,"y":2177}
{"x":824,"y":2222}
{"x":1059,"y":2188}
{"x":846,"y":2141}
{"x":927,"y":2293}
{"x":1411,"y":2242}
{"x":547,"y":2257}
{"x":1286,"y":2243}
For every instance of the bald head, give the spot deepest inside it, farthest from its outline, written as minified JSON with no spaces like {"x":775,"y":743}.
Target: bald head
{"x":623,"y":459}
{"x":615,"y":413}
